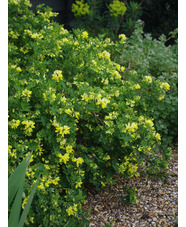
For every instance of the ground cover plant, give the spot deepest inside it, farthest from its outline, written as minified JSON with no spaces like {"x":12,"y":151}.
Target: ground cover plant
{"x":82,"y":115}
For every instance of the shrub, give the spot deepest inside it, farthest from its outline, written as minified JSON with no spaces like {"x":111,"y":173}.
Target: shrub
{"x":77,"y":111}
{"x":152,"y":57}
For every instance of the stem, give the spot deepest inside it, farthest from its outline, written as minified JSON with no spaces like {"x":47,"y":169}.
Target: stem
{"x":120,"y":21}
{"x":129,"y":32}
{"x":98,"y":118}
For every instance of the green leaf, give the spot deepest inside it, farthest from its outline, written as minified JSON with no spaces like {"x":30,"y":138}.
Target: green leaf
{"x":15,"y":192}
{"x":27,"y":207}
{"x":16,"y":207}
{"x":16,"y":179}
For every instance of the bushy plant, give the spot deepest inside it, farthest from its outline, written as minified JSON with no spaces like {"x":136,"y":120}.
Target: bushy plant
{"x":77,"y":111}
{"x":152,"y":57}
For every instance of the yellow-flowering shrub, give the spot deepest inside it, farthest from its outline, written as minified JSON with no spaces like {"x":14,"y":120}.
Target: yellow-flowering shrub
{"x":81,"y":115}
{"x":80,"y":8}
{"x":117,"y":8}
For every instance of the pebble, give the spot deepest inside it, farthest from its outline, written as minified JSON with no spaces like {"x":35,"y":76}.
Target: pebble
{"x":157,"y":206}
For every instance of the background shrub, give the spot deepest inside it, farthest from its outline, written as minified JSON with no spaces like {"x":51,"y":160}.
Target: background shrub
{"x":83,"y":116}
{"x":152,"y":57}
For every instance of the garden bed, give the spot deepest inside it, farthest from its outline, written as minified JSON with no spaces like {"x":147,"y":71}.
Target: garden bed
{"x":157,"y":205}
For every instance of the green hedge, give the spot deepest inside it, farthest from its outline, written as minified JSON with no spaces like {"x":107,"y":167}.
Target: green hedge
{"x":83,"y":116}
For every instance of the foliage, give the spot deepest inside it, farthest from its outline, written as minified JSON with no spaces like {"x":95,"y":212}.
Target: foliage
{"x":152,"y":57}
{"x":106,"y":17}
{"x":130,"y":196}
{"x":15,"y":192}
{"x":83,"y":116}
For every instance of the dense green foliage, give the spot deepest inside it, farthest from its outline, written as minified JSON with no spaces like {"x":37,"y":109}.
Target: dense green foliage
{"x":83,"y":115}
{"x":153,"y":57}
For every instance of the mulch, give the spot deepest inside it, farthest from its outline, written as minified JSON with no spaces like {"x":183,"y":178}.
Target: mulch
{"x":157,"y":204}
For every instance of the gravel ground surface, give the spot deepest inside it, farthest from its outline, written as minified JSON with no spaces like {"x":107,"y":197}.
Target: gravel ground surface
{"x":157,"y":205}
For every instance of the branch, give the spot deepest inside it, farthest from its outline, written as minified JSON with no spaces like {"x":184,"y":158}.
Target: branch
{"x":98,"y":118}
{"x":128,"y":33}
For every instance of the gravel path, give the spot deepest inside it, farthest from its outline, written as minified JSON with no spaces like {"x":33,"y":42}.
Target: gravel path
{"x":157,"y":205}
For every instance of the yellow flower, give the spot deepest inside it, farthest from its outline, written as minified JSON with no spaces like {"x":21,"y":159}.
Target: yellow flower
{"x":149,"y":122}
{"x":44,"y":96}
{"x":161,"y":97}
{"x":69,"y":149}
{"x":122,"y":38}
{"x":27,"y":94}
{"x":84,"y":34}
{"x":148,"y":79}
{"x":131,"y":127}
{"x":66,"y":129}
{"x":68,"y":111}
{"x":117,"y":8}
{"x":85,"y":97}
{"x":24,"y":202}
{"x":77,"y":115}
{"x":94,"y":62}
{"x":116,"y":75}
{"x":103,"y":102}
{"x":106,"y":54}
{"x":78,"y":185}
{"x":122,"y":68}
{"x":29,"y":125}
{"x":63,"y":158}
{"x":137,"y":86}
{"x":79,"y":161}
{"x":14,"y":123}
{"x":53,"y":97}
{"x":72,"y":210}
{"x":165,"y":86}
{"x":19,"y":69}
{"x":157,"y":136}
{"x":80,"y":8}
{"x":132,"y":168}
{"x":57,"y":75}
{"x":103,"y":184}
{"x":41,"y":186}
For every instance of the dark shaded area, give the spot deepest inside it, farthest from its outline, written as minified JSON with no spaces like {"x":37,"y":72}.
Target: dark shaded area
{"x":160,"y":16}
{"x":62,"y":7}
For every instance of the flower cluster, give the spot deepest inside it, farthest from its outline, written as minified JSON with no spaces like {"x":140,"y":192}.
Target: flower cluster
{"x":29,"y":125}
{"x":117,"y":8}
{"x":122,"y":38}
{"x":72,"y":210}
{"x":105,"y":54}
{"x":148,"y":79}
{"x":78,"y":161}
{"x":79,"y":8}
{"x":84,"y":34}
{"x":61,"y":130}
{"x":165,"y":86}
{"x":57,"y":75}
{"x":14,"y":123}
{"x":26,"y":94}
